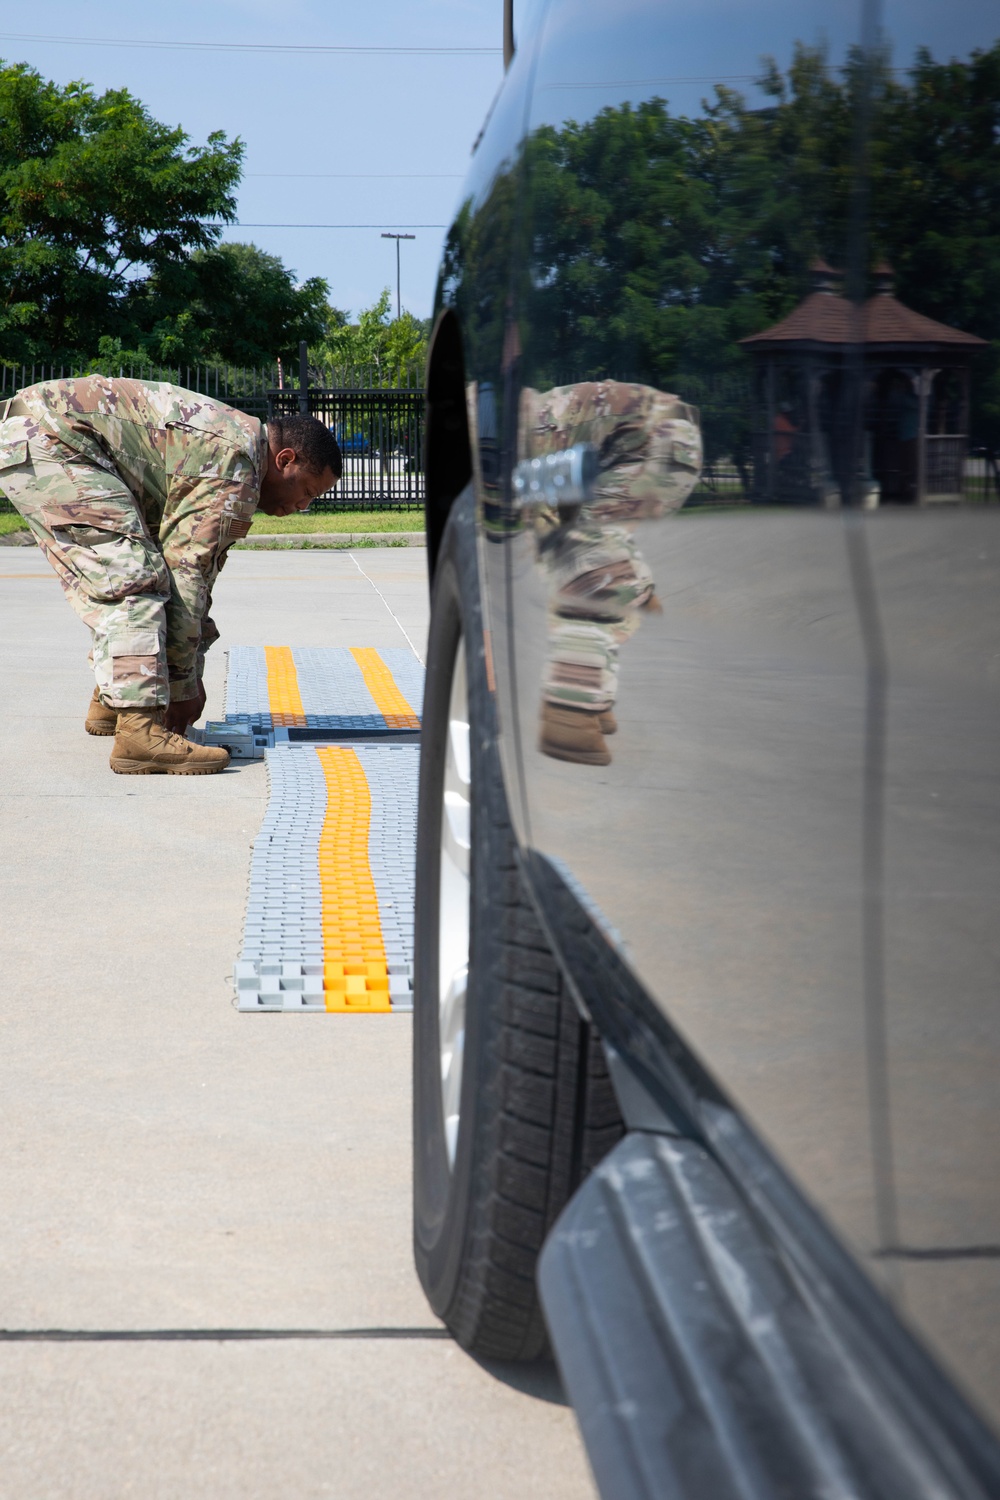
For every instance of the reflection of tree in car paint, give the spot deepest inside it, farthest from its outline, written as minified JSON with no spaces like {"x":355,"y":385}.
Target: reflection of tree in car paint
{"x":648,"y":446}
{"x":659,"y":242}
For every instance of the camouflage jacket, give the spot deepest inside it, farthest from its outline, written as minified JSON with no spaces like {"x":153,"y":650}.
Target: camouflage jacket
{"x":194,"y":467}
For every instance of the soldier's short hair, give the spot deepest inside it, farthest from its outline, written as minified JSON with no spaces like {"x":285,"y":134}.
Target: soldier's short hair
{"x":314,"y":444}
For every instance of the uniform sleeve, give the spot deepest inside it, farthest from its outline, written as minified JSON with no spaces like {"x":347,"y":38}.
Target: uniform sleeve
{"x":648,"y":443}
{"x":213,"y":492}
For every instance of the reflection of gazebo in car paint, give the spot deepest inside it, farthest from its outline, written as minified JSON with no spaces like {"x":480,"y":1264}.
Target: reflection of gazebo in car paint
{"x":916,"y":375}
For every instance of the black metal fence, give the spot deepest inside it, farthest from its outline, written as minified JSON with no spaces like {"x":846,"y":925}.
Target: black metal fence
{"x":945,"y":463}
{"x":244,"y":386}
{"x":380,"y":429}
{"x":381,"y":436}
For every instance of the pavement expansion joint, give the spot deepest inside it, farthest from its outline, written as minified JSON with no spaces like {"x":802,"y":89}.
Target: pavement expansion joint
{"x":329,"y":923}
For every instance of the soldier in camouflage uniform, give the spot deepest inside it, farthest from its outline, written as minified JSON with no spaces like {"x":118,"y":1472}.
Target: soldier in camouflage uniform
{"x":134,"y":491}
{"x":649,"y":456}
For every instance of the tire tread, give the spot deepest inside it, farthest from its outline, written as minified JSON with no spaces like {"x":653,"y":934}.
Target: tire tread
{"x":544,"y":1112}
{"x":524,"y":1182}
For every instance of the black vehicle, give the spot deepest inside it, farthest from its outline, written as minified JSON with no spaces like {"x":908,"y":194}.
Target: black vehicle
{"x":707,"y":1091}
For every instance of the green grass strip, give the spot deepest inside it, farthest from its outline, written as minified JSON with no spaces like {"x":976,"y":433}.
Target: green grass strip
{"x":344,"y":520}
{"x":350,"y":521}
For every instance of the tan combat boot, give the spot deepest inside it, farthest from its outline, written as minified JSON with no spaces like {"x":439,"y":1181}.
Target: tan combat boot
{"x":145,"y":747}
{"x":100,"y":718}
{"x":573,"y":734}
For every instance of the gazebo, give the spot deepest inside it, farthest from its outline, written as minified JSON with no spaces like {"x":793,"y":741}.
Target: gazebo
{"x":916,"y":399}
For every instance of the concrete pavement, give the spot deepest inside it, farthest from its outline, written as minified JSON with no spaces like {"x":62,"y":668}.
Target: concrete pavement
{"x":186,"y":1187}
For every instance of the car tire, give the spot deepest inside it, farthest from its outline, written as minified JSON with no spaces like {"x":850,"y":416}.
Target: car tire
{"x":512,"y":1101}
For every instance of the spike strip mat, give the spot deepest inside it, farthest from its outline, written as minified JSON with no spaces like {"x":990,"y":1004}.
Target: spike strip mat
{"x":329,"y":923}
{"x":335,"y":688}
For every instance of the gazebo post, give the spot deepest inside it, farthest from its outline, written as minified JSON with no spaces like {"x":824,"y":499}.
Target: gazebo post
{"x":923,"y":377}
{"x":819,"y":476}
{"x":768,"y":444}
{"x":964,"y":426}
{"x":966,"y":397}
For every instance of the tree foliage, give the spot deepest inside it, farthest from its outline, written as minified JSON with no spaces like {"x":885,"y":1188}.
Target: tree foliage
{"x":233,"y":302}
{"x":390,"y":347}
{"x":95,"y":196}
{"x":109,"y":230}
{"x":936,"y":206}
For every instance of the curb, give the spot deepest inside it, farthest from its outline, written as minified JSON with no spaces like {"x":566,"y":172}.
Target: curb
{"x":341,"y":541}
{"x":337,"y":541}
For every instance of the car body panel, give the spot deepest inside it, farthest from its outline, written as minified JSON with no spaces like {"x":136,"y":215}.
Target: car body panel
{"x":793,"y":846}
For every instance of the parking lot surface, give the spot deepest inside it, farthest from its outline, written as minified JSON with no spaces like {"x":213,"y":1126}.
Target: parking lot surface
{"x":206,"y":1283}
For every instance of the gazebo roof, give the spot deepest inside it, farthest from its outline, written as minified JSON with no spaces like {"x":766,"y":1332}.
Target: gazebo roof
{"x":824,"y":317}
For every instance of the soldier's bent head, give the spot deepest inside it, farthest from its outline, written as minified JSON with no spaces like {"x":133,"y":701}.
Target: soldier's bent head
{"x":315,"y":445}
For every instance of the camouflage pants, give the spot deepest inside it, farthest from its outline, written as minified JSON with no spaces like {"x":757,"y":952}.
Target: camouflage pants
{"x":599,"y":581}
{"x":86,"y":521}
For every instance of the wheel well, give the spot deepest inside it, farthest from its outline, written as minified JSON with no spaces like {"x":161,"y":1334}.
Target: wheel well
{"x":447,"y":450}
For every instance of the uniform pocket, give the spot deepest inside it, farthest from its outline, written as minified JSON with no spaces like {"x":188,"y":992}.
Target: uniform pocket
{"x":214,"y":533}
{"x":99,"y":518}
{"x":133,"y":643}
{"x":13,"y":452}
{"x":110,"y":565}
{"x":233,"y":529}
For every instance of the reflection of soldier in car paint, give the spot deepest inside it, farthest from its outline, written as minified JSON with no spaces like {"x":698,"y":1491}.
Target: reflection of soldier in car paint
{"x":649,"y":453}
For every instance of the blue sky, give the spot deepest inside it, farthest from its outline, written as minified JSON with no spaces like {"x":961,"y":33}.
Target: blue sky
{"x":393,"y":134}
{"x":678,"y":40}
{"x":302,"y":114}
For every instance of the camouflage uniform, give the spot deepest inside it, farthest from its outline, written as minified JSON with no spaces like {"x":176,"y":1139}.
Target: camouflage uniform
{"x":649,"y":459}
{"x":134,"y":491}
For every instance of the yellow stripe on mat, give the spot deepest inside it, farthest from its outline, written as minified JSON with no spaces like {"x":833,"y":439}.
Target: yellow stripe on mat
{"x":355,"y":977}
{"x":382,"y":685}
{"x":283,"y":693}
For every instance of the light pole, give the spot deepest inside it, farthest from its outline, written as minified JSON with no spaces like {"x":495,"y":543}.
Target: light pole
{"x":397,"y":238}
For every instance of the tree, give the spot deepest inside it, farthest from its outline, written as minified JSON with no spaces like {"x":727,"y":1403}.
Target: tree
{"x":640,"y":269}
{"x":95,"y":197}
{"x":233,"y":302}
{"x":936,"y":208}
{"x":390,"y":347}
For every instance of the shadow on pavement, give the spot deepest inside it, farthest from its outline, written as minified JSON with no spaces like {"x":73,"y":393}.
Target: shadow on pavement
{"x":540,"y":1380}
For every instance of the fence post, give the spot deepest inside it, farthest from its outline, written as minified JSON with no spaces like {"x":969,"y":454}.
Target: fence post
{"x":303,"y":377}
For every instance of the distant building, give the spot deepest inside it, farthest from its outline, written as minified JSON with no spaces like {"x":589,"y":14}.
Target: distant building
{"x":915,"y":398}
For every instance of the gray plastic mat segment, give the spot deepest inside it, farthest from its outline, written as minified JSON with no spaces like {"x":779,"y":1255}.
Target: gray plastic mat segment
{"x":246,"y":684}
{"x":335,"y":697}
{"x":281,"y":962}
{"x":392,"y":772}
{"x":332,"y":687}
{"x":408,"y":672}
{"x":281,"y":966}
